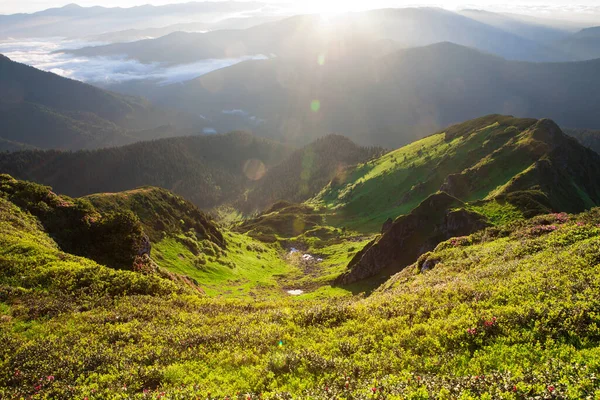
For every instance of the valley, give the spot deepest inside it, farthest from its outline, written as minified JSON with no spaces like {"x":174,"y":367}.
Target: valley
{"x":301,"y":200}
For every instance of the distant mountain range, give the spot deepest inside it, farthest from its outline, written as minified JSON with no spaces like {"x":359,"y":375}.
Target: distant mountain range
{"x":131,"y":35}
{"x":389,"y":98}
{"x":308,"y":35}
{"x":76,"y":21}
{"x":43,"y":110}
{"x":584,"y":44}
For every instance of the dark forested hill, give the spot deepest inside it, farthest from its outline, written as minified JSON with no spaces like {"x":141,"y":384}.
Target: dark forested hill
{"x":207,"y":170}
{"x":45,"y":110}
{"x":586,"y":137}
{"x":307,"y":171}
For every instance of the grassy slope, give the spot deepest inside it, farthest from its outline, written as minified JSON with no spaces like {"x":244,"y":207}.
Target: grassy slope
{"x":247,"y":268}
{"x":226,"y":263}
{"x":397,"y":182}
{"x":480,"y":159}
{"x":508,"y":313}
{"x":161,"y":212}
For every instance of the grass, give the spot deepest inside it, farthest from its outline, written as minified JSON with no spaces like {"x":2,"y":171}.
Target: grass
{"x":486,"y":154}
{"x":510,"y":312}
{"x":497,"y":211}
{"x":246,"y":268}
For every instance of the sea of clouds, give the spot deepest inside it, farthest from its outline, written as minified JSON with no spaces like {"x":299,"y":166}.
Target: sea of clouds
{"x":42,"y":54}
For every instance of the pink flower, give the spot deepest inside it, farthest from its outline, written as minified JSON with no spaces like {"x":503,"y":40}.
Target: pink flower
{"x":551,"y":388}
{"x":50,"y":378}
{"x":373,"y":389}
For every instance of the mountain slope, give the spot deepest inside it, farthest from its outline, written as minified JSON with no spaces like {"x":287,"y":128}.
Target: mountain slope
{"x":525,"y":26}
{"x":475,"y":160}
{"x":582,"y":45}
{"x":510,"y":312}
{"x":207,"y":170}
{"x":523,"y":171}
{"x":44,"y":110}
{"x":115,"y":239}
{"x":586,"y":137}
{"x":306,"y":171}
{"x":389,"y":99}
{"x":160,"y":212}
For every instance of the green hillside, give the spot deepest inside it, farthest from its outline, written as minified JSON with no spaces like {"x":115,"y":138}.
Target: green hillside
{"x":476,"y":160}
{"x":509,"y":312}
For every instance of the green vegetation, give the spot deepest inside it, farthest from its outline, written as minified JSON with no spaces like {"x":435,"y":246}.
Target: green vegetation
{"x":139,"y":294}
{"x":247,"y":269}
{"x":207,"y":170}
{"x":114,"y":238}
{"x":161,"y":213}
{"x":480,"y":159}
{"x":509,"y":312}
{"x":306,"y":171}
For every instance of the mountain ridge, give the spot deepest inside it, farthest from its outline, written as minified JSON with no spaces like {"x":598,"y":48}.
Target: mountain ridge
{"x":45,"y":110}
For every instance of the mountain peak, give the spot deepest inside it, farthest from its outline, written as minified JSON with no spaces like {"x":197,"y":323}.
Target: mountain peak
{"x":547,"y":131}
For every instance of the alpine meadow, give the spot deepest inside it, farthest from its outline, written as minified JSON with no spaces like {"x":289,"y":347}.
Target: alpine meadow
{"x":299,"y":200}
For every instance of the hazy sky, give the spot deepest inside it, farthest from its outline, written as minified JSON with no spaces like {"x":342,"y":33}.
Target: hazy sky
{"x":546,"y":6}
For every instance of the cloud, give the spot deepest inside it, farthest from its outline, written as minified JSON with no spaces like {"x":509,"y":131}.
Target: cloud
{"x":105,"y":70}
{"x":244,"y":114}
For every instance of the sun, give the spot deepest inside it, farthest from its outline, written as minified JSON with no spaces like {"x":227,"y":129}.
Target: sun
{"x":327,"y":8}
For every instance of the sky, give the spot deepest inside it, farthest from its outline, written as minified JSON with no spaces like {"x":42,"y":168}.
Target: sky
{"x":544,"y":7}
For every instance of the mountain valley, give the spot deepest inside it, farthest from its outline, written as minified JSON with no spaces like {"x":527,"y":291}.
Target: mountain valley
{"x":344,"y":202}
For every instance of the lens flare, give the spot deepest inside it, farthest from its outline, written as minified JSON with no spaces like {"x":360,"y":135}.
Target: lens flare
{"x":315,"y":105}
{"x":254,"y":169}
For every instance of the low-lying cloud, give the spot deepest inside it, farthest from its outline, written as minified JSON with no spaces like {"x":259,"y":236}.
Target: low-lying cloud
{"x":41,"y":54}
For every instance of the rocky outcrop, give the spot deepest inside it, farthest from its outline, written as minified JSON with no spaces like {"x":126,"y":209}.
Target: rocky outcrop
{"x":456,"y":185}
{"x":436,"y":219}
{"x":145,"y":246}
{"x":387,"y":225}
